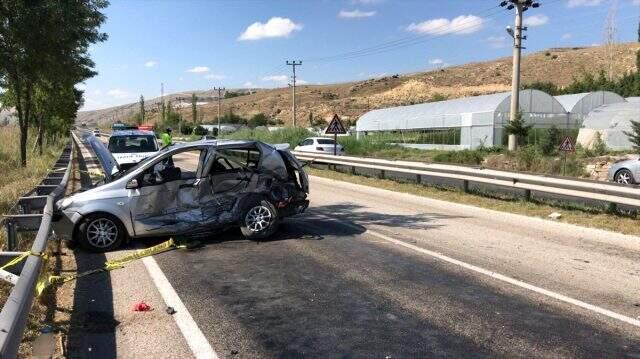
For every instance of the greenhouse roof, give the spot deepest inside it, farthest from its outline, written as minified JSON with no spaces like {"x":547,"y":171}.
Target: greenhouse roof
{"x":613,"y":116}
{"x":585,"y":102}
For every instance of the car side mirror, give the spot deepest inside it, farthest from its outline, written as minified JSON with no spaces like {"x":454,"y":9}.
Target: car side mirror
{"x":132,"y":184}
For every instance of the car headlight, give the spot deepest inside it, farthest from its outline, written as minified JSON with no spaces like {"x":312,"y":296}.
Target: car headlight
{"x":64,"y":203}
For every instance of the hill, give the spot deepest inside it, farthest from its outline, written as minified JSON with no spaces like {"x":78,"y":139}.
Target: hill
{"x":352,"y":99}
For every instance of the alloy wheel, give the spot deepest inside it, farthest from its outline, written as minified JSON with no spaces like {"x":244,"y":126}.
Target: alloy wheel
{"x":102,"y":233}
{"x":258,"y":218}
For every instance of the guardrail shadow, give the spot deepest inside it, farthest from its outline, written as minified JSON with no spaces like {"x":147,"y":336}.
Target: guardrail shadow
{"x":92,"y":323}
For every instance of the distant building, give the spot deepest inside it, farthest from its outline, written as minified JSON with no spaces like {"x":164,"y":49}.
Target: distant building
{"x":579,"y":105}
{"x":463,"y":123}
{"x":611,"y":121}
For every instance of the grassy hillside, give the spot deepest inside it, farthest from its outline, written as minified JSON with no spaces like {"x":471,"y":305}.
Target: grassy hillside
{"x":352,"y":99}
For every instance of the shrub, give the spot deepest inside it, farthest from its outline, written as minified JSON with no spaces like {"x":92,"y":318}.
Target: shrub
{"x":599,"y":147}
{"x":186,"y":129}
{"x":468,"y":157}
{"x":200,"y":131}
{"x":549,"y":143}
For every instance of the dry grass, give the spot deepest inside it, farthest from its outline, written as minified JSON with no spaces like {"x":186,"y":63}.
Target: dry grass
{"x":585,"y":218}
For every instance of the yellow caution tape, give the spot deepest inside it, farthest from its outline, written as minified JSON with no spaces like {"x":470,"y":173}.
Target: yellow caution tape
{"x":45,"y":281}
{"x":20,"y":258}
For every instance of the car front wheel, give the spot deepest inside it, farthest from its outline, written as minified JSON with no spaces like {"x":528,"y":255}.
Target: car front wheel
{"x":100,"y":233}
{"x":259,"y":220}
{"x":624,"y":176}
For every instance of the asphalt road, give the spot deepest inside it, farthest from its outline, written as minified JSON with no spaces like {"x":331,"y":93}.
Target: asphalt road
{"x":371,"y":273}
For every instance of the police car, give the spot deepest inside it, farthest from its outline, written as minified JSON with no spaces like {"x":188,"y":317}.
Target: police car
{"x":132,"y":146}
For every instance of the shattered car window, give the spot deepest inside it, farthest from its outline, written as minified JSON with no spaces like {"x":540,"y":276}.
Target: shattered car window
{"x":245,"y":157}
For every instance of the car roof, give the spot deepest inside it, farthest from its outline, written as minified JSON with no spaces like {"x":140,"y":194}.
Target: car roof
{"x":213,"y":143}
{"x":132,"y":133}
{"x":319,"y":138}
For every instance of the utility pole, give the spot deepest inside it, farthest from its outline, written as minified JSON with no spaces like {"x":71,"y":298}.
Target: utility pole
{"x":219,"y":89}
{"x":293,"y":64}
{"x":520,"y":6}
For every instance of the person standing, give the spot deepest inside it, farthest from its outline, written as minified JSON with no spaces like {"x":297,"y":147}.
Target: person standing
{"x":166,"y":137}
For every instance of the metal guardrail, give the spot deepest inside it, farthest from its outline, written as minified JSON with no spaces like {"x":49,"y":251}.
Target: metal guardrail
{"x":14,"y":314}
{"x":584,"y":190}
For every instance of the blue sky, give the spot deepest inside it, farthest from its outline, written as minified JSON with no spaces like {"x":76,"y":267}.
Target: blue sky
{"x":196,"y":45}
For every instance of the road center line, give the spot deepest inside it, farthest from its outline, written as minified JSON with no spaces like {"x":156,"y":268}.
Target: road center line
{"x":494,"y":275}
{"x":197,"y":342}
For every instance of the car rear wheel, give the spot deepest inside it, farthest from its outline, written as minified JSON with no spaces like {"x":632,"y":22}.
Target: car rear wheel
{"x":624,"y":176}
{"x":259,"y":220}
{"x":100,"y":233}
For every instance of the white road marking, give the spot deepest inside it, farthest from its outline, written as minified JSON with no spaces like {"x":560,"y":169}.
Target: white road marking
{"x":197,"y":342}
{"x":498,"y":276}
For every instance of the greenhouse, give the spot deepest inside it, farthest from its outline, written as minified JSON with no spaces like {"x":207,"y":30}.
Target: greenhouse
{"x":464,"y":123}
{"x":579,"y":105}
{"x":610,"y":122}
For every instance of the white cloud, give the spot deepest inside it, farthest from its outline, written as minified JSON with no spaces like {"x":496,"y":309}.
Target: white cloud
{"x":635,"y":2}
{"x":81,"y":86}
{"x":436,"y":62}
{"x":464,"y":24}
{"x":97,"y":92}
{"x":301,"y":82}
{"x":282,"y":79}
{"x":214,"y":77}
{"x":198,"y":69}
{"x":576,"y":3}
{"x":497,"y":42}
{"x":567,"y":36}
{"x":275,"y":27}
{"x":355,"y":14}
{"x":118,"y":93}
{"x":249,"y":84}
{"x":150,"y":63}
{"x":536,"y":20}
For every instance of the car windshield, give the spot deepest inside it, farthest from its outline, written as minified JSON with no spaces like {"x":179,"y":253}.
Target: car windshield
{"x":132,"y":144}
{"x":323,"y":141}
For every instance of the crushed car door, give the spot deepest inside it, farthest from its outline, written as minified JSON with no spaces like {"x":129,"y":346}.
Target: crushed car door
{"x":229,"y":176}
{"x":168,"y":199}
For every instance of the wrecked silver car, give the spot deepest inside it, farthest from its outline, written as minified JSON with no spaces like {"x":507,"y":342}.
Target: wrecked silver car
{"x":187,"y":189}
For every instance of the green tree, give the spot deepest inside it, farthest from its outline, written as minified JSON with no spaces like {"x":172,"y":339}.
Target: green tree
{"x":194,"y":108}
{"x":257,"y":120}
{"x":200,"y":131}
{"x":518,"y":127}
{"x":551,"y":141}
{"x":634,"y":135}
{"x":141,"y":118}
{"x":44,"y":42}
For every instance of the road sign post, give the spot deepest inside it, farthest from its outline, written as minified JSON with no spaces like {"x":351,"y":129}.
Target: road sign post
{"x":335,"y":128}
{"x":566,"y":146}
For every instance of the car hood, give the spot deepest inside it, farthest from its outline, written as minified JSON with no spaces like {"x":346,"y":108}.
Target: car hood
{"x":107,"y":161}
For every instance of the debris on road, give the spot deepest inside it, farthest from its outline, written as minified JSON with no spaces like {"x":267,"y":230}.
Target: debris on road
{"x":171,"y":311}
{"x":141,"y":307}
{"x":555,"y":215}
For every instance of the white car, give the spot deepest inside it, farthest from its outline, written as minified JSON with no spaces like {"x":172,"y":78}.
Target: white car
{"x":320,"y":145}
{"x":96,"y":132}
{"x":132,"y":146}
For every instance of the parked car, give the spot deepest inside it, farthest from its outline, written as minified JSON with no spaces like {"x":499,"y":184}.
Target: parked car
{"x":625,"y":171}
{"x":319,"y":145}
{"x":132,"y":146}
{"x":208,"y":137}
{"x":187,"y":189}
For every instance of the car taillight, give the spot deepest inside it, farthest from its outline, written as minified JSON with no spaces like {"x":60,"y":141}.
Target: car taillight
{"x":319,"y":149}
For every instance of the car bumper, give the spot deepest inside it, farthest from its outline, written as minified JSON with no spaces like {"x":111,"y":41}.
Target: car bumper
{"x":63,"y":223}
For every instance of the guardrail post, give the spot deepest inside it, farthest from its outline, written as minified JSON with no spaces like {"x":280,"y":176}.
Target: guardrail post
{"x":527,"y":195}
{"x":419,"y":179}
{"x":382,"y":174}
{"x":11,"y":235}
{"x":353,"y":170}
{"x":465,"y":186}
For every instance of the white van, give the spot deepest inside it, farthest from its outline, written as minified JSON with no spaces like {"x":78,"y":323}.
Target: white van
{"x":132,"y":146}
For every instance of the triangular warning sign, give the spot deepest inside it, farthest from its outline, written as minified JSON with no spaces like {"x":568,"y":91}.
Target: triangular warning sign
{"x":567,"y":145}
{"x":335,"y":127}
